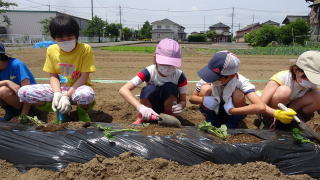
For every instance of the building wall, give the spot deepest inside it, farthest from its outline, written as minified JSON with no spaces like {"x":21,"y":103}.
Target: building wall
{"x":26,"y":23}
{"x":159,"y":36}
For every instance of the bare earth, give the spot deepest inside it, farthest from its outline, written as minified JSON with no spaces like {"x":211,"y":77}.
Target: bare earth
{"x":111,"y":108}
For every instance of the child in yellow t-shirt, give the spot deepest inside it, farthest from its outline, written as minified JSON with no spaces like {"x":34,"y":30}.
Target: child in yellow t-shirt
{"x":69,"y":63}
{"x":297,"y":88}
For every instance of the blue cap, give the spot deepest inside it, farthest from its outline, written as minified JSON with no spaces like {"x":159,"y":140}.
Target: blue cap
{"x":223,"y":63}
{"x":2,"y":49}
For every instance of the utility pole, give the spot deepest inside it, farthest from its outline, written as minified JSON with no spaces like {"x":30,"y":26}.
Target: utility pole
{"x":204,"y":23}
{"x":232,"y":22}
{"x":292,"y":36}
{"x":91,"y":9}
{"x":49,"y":7}
{"x":120,"y":12}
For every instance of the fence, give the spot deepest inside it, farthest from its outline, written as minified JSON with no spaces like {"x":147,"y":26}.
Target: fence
{"x":20,"y":39}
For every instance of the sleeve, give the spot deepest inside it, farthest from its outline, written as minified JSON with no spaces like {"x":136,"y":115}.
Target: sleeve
{"x":48,"y":65}
{"x":199,"y":84}
{"x":23,"y":71}
{"x":88,"y":60}
{"x":142,"y":76}
{"x":246,"y":86}
{"x":183,"y":84}
{"x":278,"y":77}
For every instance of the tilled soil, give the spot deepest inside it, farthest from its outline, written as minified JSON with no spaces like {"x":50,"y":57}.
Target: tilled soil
{"x":127,"y":166}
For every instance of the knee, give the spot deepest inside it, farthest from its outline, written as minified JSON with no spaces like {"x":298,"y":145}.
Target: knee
{"x":238,"y":98}
{"x":282,"y":93}
{"x":84,"y":95}
{"x":5,"y":92}
{"x":206,"y":90}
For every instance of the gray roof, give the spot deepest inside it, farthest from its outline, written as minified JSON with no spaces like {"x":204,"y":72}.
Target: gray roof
{"x":271,"y":23}
{"x":166,"y":21}
{"x":249,"y":27}
{"x":219,"y":25}
{"x":162,"y":31}
{"x":291,"y":18}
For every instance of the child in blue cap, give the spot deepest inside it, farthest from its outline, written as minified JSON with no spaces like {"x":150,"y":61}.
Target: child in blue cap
{"x":222,"y":92}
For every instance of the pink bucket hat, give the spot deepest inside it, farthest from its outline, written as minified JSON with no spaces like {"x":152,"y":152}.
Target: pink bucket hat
{"x":168,"y":52}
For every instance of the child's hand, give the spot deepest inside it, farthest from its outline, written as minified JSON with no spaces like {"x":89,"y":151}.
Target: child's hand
{"x":146,"y":112}
{"x":210,"y":102}
{"x":177,"y":109}
{"x":55,"y":101}
{"x":284,"y":117}
{"x":228,"y":105}
{"x":64,"y":104}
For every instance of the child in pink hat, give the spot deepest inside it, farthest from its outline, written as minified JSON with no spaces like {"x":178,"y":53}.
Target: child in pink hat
{"x":166,"y":85}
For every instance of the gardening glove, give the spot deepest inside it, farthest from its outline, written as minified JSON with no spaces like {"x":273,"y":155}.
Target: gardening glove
{"x":210,"y":102}
{"x":177,"y":109}
{"x":228,"y":105}
{"x":146,"y":112}
{"x":55,"y":101}
{"x":284,"y":117}
{"x":64,"y":104}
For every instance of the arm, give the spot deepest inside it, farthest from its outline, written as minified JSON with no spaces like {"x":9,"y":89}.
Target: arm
{"x":183,"y":100}
{"x":267,"y":94}
{"x":125,"y":92}
{"x":256,"y":107}
{"x":81,"y":81}
{"x":54,"y":82}
{"x":196,"y":98}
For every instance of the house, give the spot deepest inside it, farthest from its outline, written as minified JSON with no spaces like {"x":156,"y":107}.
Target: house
{"x":222,"y":32}
{"x":167,"y":29}
{"x":292,"y":18}
{"x":314,"y":20}
{"x":252,"y":27}
{"x":246,"y":30}
{"x":25,"y":22}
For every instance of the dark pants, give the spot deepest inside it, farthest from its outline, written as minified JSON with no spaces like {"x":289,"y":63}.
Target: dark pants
{"x":231,"y":121}
{"x":157,"y":95}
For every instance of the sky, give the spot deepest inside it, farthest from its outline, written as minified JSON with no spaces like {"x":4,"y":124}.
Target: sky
{"x":194,"y":15}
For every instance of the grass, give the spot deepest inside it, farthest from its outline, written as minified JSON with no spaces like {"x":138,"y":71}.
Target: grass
{"x":138,"y":49}
{"x":281,"y":50}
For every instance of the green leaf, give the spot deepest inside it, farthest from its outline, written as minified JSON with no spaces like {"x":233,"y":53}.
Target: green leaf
{"x":296,"y":133}
{"x":219,"y":132}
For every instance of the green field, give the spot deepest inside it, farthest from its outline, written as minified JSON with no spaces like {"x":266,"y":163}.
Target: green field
{"x":143,"y":49}
{"x":281,"y":50}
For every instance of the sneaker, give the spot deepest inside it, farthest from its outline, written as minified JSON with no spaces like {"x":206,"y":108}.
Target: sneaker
{"x":83,"y":114}
{"x":10,"y":113}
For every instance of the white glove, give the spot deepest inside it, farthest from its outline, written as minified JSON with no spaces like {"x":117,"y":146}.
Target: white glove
{"x":64,"y":104}
{"x":146,"y":112}
{"x":228,"y":105}
{"x":55,"y":101}
{"x":177,"y":109}
{"x":210,"y":102}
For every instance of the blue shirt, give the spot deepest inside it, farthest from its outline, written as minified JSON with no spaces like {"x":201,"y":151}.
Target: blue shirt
{"x":16,"y":71}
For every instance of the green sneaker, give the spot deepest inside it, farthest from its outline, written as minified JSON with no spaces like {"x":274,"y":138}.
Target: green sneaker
{"x":45,"y":107}
{"x":83,"y":114}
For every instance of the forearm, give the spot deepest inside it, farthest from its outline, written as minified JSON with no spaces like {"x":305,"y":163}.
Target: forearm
{"x":195,"y":99}
{"x":55,"y":84}
{"x":79,"y":82}
{"x":125,"y":92}
{"x":249,"y":109}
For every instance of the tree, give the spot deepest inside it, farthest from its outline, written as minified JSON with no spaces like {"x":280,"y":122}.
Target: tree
{"x":3,"y":8}
{"x":210,"y":35}
{"x":127,"y":33}
{"x":197,"y":38}
{"x":297,"y":32}
{"x":146,"y":30}
{"x":95,"y":27}
{"x":113,"y":30}
{"x":263,"y":36}
{"x":45,"y":25}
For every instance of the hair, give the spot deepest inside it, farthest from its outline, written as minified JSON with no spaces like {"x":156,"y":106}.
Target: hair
{"x":291,"y":69}
{"x":63,"y":25}
{"x":4,"y":57}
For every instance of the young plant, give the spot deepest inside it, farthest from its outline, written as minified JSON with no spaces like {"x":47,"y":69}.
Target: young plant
{"x":24,"y":119}
{"x":109,"y":131}
{"x":296,"y":133}
{"x":219,"y":132}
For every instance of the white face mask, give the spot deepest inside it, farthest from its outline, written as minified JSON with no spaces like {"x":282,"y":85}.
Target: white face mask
{"x":307,"y":84}
{"x":217,"y":83}
{"x":67,"y":46}
{"x":166,"y":70}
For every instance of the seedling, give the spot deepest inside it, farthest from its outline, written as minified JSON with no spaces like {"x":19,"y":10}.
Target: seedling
{"x":24,"y":119}
{"x":296,"y":133}
{"x":109,"y":131}
{"x":219,"y":132}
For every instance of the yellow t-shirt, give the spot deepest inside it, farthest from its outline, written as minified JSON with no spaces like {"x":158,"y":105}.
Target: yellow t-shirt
{"x":69,"y":65}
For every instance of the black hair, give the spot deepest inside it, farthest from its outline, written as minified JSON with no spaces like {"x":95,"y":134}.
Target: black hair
{"x":63,"y":25}
{"x":4,"y":57}
{"x":295,"y":67}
